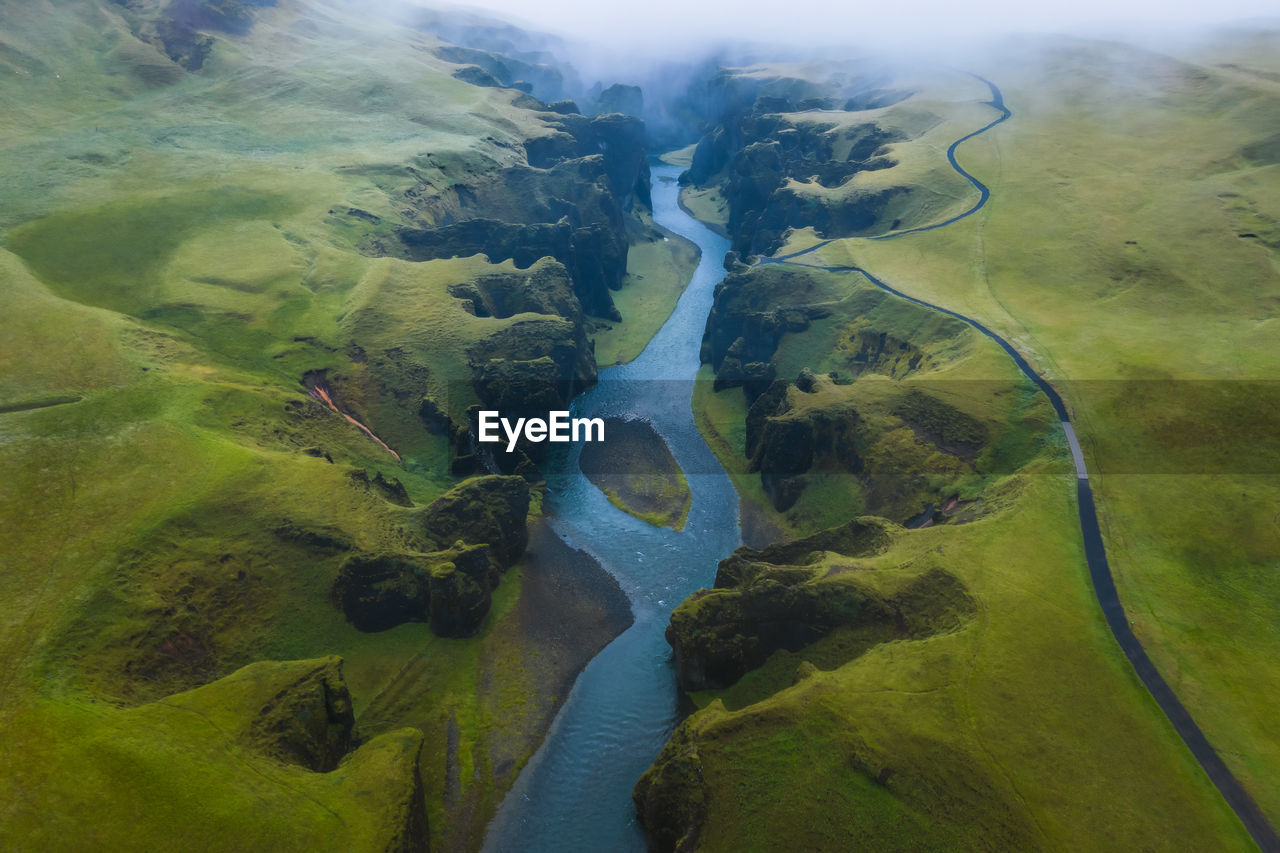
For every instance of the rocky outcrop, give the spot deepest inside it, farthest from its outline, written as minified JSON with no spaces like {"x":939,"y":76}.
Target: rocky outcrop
{"x":671,"y":797}
{"x":308,"y":720}
{"x":783,"y":444}
{"x":752,"y":310}
{"x":720,"y":635}
{"x":546,"y":289}
{"x":594,"y":255}
{"x":566,"y":214}
{"x":855,"y":538}
{"x":620,"y":98}
{"x":295,"y":712}
{"x":570,"y":203}
{"x":461,"y":583}
{"x":546,"y":350}
{"x":451,"y":589}
{"x":505,"y":70}
{"x":854,"y":214}
{"x":483,"y":510}
{"x":733,"y":103}
{"x":626,"y":157}
{"x":389,"y":489}
{"x":527,"y":370}
{"x":756,"y":150}
{"x":476,"y":76}
{"x":377,"y":591}
{"x":768,"y":600}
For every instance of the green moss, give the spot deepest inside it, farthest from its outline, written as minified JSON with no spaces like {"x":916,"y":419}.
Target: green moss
{"x":131,"y":778}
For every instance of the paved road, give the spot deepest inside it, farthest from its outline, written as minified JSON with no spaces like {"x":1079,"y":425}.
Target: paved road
{"x":1095,"y":551}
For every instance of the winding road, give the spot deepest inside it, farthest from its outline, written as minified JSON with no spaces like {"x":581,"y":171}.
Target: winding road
{"x":1095,"y":551}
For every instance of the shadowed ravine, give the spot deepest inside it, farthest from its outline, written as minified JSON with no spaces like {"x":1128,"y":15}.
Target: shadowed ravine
{"x":1095,"y":551}
{"x":576,"y":792}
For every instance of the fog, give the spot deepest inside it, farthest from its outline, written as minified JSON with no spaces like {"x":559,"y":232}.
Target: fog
{"x":665,"y":27}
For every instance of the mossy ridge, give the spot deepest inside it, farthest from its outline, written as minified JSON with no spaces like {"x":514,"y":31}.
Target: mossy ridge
{"x":788,"y":597}
{"x":933,"y":419}
{"x":727,"y":781}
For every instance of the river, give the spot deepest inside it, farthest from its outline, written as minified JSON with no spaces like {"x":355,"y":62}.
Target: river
{"x":575,"y":794}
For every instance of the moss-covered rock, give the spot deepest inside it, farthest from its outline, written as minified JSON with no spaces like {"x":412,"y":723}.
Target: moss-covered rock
{"x":620,"y":98}
{"x":626,"y":157}
{"x":594,"y":254}
{"x":671,"y":798}
{"x":769,"y":600}
{"x":377,"y":591}
{"x":753,"y":309}
{"x":759,"y":154}
{"x":859,"y":537}
{"x":484,"y":510}
{"x":720,"y":635}
{"x":545,"y":289}
{"x":461,"y":583}
{"x":450,"y":589}
{"x":570,"y":204}
{"x":782,"y":444}
{"x":308,"y":719}
{"x":766,"y":160}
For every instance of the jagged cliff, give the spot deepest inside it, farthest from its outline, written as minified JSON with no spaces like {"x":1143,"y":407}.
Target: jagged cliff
{"x":783,"y":151}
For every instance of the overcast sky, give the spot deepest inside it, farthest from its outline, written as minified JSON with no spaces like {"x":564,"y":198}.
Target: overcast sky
{"x":681,"y":22}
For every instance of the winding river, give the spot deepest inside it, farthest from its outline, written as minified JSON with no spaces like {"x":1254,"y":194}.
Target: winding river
{"x":575,"y":794}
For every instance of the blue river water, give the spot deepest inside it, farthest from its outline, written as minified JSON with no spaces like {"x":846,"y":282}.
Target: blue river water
{"x":575,"y":794}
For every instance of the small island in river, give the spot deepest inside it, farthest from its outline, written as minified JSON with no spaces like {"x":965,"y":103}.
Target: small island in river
{"x":637,"y":473}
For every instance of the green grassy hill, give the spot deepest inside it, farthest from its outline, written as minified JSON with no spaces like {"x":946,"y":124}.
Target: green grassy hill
{"x":1125,"y":248}
{"x":202,"y":208}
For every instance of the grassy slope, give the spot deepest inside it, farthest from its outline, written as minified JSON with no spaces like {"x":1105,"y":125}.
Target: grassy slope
{"x":172,"y":260}
{"x":149,"y":764}
{"x":1030,"y":698}
{"x":1036,"y":693}
{"x":1050,"y":265}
